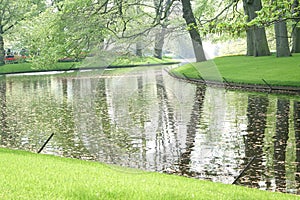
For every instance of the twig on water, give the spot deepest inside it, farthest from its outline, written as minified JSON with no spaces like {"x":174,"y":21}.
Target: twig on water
{"x":245,"y":169}
{"x":41,"y":149}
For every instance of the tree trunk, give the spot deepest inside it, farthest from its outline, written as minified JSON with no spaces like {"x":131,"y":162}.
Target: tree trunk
{"x":296,"y":39}
{"x":296,"y":30}
{"x":261,"y":47}
{"x":250,"y":42}
{"x":139,"y":49}
{"x":190,"y":20}
{"x":159,"y":42}
{"x":257,"y":44}
{"x":281,"y":35}
{"x":282,"y":42}
{"x":2,"y":52}
{"x":161,"y":33}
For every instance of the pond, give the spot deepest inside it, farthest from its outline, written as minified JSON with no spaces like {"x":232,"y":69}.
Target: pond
{"x":151,"y":121}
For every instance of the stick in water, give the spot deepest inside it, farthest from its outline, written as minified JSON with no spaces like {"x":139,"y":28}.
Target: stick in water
{"x":41,"y":149}
{"x":247,"y":166}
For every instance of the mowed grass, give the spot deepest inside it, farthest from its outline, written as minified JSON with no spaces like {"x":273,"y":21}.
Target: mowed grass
{"x":31,"y":176}
{"x":246,"y":69}
{"x":121,"y":61}
{"x":29,"y":67}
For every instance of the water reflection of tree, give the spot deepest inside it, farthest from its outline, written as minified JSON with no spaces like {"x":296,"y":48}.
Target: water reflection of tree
{"x":185,"y":159}
{"x":67,"y":141}
{"x":5,"y":138}
{"x":104,"y":136}
{"x":102,"y":107}
{"x":297,"y":138}
{"x":166,"y":122}
{"x":254,"y":140}
{"x":106,"y":133}
{"x":280,"y":143}
{"x":142,"y":121}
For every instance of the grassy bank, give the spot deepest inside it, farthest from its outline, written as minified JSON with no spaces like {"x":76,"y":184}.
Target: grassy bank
{"x":31,"y":176}
{"x":246,"y":69}
{"x":125,"y":61}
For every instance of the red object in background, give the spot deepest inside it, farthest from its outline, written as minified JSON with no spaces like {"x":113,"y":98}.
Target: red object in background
{"x":10,"y":59}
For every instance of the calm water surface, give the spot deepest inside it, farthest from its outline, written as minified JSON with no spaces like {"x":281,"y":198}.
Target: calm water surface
{"x":154,"y":122}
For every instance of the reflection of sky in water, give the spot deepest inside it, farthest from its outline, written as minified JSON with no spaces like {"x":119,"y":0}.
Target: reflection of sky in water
{"x":152,"y":122}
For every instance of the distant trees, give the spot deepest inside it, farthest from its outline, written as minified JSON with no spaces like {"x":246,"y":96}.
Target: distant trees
{"x":73,"y":26}
{"x":14,"y":12}
{"x":66,"y":28}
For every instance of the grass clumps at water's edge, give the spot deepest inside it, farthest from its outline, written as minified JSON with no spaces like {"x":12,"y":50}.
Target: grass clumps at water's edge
{"x":246,"y":70}
{"x":27,"y":175}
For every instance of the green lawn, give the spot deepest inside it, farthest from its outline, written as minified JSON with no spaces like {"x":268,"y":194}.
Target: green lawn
{"x":28,"y":67}
{"x":122,"y":61}
{"x":32,"y":176}
{"x":246,"y":69}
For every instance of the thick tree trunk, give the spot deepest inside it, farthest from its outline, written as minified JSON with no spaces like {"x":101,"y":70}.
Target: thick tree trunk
{"x":259,"y":44}
{"x":2,"y":52}
{"x":250,"y":42}
{"x":261,"y":47}
{"x":193,"y":30}
{"x":296,"y":39}
{"x":296,"y":30}
{"x":282,"y":42}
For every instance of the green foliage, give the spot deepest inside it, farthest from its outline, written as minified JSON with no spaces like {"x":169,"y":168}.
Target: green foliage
{"x":68,"y":28}
{"x":227,"y":18}
{"x":14,"y":12}
{"x":273,"y":12}
{"x":57,"y":34}
{"x":221,"y":19}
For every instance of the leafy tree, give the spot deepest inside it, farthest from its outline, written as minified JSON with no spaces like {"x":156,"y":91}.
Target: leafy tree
{"x":67,"y":28}
{"x":14,"y":12}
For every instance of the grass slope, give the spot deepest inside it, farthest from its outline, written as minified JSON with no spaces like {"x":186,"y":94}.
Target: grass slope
{"x":31,"y":176}
{"x":245,"y":69}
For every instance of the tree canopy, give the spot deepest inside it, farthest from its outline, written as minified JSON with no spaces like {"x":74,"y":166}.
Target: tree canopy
{"x":54,"y":29}
{"x":12,"y":13}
